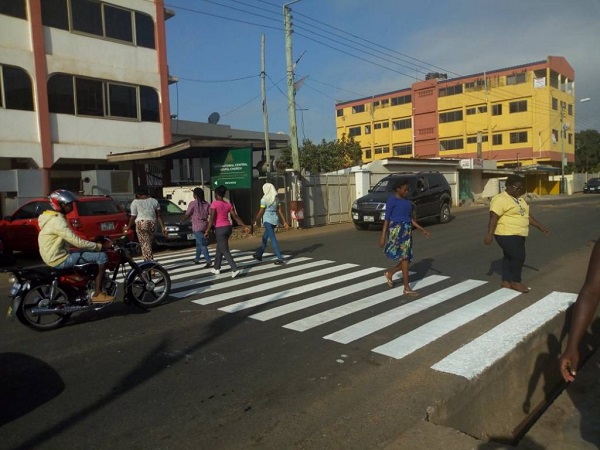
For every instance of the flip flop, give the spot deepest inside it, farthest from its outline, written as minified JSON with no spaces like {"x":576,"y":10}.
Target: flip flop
{"x":388,"y":280}
{"x":411,"y":293}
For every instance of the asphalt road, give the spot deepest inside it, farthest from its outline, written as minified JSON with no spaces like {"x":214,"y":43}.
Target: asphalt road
{"x":189,"y":375}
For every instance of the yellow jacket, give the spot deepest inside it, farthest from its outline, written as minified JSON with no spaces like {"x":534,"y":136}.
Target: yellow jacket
{"x":55,"y":239}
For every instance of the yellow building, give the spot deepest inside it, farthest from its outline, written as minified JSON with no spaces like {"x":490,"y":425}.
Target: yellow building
{"x":517,"y":116}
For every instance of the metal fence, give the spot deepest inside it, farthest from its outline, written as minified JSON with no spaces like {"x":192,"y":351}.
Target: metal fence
{"x":328,"y":199}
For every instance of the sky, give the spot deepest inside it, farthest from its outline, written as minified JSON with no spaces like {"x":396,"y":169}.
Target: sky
{"x":349,"y":49}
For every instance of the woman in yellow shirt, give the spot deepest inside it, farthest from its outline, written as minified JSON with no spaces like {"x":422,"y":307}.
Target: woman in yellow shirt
{"x":509,"y":224}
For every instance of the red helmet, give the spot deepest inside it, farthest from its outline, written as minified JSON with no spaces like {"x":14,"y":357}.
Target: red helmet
{"x":61,"y":197}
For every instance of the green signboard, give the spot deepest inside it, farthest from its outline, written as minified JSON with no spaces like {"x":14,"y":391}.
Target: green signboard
{"x":231,"y":168}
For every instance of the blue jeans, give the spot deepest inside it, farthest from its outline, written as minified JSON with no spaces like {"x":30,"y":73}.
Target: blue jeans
{"x":201,"y":246}
{"x":269,"y":234}
{"x":81,"y":257}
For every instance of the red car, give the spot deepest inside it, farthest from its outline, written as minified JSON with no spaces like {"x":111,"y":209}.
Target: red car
{"x":92,"y":217}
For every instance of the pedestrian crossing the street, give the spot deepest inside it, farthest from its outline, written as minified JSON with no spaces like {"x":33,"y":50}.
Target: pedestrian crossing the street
{"x":318,"y":294}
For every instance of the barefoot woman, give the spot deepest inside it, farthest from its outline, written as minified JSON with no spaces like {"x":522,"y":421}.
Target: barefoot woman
{"x":397,"y":227}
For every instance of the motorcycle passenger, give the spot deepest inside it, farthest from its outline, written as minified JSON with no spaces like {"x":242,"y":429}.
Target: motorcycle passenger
{"x":56,"y":238}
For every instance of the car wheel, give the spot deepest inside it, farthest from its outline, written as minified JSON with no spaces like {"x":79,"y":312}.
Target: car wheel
{"x":361,"y":226}
{"x":444,"y":213}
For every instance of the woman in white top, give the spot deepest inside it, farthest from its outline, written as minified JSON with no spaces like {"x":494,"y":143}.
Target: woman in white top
{"x":145,"y":210}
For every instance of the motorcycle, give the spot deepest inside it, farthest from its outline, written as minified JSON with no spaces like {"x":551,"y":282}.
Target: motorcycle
{"x":44,"y":298}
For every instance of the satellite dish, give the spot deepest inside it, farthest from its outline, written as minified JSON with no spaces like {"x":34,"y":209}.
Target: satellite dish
{"x":214,"y":118}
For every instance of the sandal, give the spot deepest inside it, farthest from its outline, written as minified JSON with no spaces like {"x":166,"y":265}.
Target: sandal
{"x":388,"y":280}
{"x":411,"y":293}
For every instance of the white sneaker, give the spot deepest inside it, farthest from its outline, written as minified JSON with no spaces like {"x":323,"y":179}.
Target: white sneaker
{"x":216,"y":271}
{"x":235,"y":273}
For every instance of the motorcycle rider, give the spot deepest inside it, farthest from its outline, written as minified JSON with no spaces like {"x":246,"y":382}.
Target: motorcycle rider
{"x":56,"y":238}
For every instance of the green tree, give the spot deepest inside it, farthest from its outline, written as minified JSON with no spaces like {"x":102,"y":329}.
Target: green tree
{"x":327,"y":156}
{"x":587,"y":151}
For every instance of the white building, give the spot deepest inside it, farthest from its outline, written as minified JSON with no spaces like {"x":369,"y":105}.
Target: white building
{"x":79,"y":80}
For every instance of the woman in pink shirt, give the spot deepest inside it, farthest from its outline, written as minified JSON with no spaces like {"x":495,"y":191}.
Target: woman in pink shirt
{"x":219,"y":217}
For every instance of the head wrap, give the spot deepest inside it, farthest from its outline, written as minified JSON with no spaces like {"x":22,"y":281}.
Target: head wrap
{"x":270,"y":193}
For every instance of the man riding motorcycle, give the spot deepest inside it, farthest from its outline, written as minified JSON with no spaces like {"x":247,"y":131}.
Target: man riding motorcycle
{"x":56,"y":238}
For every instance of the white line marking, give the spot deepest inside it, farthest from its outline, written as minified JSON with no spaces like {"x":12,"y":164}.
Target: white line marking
{"x":420,"y":337}
{"x":207,"y":285}
{"x":358,"y":305}
{"x":322,"y":298}
{"x":361,"y":329}
{"x":474,"y":358}
{"x":298,"y":290}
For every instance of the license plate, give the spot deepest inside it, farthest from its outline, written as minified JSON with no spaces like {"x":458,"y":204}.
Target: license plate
{"x":107,"y":226}
{"x":369,"y":219}
{"x":190,"y":237}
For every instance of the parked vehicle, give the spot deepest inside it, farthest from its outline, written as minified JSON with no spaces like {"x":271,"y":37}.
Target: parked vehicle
{"x":592,"y":186}
{"x":92,"y":217}
{"x":172,"y":214}
{"x":43,"y":298}
{"x":429,"y":191}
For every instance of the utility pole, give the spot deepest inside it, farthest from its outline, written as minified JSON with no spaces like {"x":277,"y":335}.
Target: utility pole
{"x":287,"y":20}
{"x":264,"y":104}
{"x":562,"y":150}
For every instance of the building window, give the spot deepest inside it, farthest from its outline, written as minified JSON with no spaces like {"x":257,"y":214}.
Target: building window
{"x":368,"y":154}
{"x":425,"y":93}
{"x":515,"y":107}
{"x":381,"y":150}
{"x":497,"y":109}
{"x":340,"y":112}
{"x":15,"y":89}
{"x":451,"y":144}
{"x":68,"y":94}
{"x":367,"y":129}
{"x":401,"y":100}
{"x":451,"y":90}
{"x":101,"y":20}
{"x":14,"y":8}
{"x":380,"y":125}
{"x":496,"y":139}
{"x":518,"y":137}
{"x":476,"y":85}
{"x":570,"y":109}
{"x":399,"y":150}
{"x":476,"y":110}
{"x":354,"y":131}
{"x":451,"y":116}
{"x":554,"y":104}
{"x":554,"y":136}
{"x":570,"y":138}
{"x":473,"y":139}
{"x":517,"y":78}
{"x":401,"y":124}
{"x":358,"y":109}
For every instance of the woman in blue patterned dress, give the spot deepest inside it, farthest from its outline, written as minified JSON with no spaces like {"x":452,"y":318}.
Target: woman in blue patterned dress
{"x":397,"y":229}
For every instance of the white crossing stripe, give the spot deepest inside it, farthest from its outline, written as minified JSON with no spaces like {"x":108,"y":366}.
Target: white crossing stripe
{"x":358,"y":305}
{"x":388,"y":318}
{"x":299,"y":290}
{"x":318,"y":299}
{"x":215,"y":298}
{"x":475,"y":357}
{"x":206,"y":285}
{"x":420,"y":337}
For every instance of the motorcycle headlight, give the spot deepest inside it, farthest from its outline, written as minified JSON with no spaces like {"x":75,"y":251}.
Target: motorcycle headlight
{"x":12,"y":279}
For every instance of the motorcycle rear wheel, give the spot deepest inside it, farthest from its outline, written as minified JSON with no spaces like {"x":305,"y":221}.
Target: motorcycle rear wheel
{"x":38,"y":297}
{"x":149,"y":295}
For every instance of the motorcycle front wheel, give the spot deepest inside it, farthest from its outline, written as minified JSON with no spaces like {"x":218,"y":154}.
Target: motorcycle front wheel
{"x":152,"y":292}
{"x":45,"y":319}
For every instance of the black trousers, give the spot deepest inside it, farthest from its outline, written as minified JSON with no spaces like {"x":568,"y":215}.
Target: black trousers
{"x":514,"y":256}
{"x":222,"y":235}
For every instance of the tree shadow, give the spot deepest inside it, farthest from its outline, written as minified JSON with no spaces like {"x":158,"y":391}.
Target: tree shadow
{"x":27,"y":383}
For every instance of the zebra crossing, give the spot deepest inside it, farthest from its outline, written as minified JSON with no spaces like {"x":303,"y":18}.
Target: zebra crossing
{"x":341,"y":290}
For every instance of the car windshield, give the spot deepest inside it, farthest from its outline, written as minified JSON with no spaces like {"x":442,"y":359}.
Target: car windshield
{"x":385,"y":185}
{"x":97,"y":208}
{"x":169,"y":207}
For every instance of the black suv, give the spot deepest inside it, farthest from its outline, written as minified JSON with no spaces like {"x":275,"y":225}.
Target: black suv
{"x":592,"y":185}
{"x":429,"y":191}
